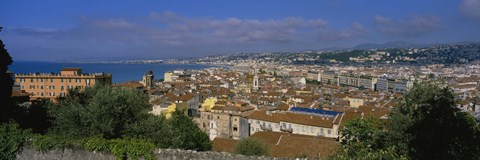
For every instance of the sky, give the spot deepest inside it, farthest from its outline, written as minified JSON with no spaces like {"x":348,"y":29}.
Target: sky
{"x":59,"y":30}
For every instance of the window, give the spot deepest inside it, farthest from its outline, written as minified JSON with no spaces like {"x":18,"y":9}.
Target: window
{"x":41,"y":79}
{"x":41,"y":94}
{"x":312,"y":129}
{"x":69,"y":80}
{"x":235,"y":119}
{"x":329,"y":131}
{"x":218,"y":117}
{"x":53,"y":87}
{"x":23,"y":87}
{"x":78,"y":80}
{"x":41,"y":87}
{"x":235,"y":129}
{"x":61,"y":80}
{"x":61,"y":88}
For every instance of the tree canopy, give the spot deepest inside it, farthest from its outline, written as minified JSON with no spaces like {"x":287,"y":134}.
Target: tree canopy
{"x":6,"y":84}
{"x":112,"y":113}
{"x":426,"y":125}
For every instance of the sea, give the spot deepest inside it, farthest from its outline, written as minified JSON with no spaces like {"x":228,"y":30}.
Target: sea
{"x":120,"y":72}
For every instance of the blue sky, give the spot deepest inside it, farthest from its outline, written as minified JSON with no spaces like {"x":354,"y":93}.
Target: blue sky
{"x":126,"y":29}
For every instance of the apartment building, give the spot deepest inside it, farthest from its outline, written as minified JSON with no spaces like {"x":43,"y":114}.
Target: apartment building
{"x":301,"y":121}
{"x":54,"y":85}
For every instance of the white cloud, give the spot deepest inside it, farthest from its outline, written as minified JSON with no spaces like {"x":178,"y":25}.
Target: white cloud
{"x":470,"y":8}
{"x":415,"y":25}
{"x":169,"y":33}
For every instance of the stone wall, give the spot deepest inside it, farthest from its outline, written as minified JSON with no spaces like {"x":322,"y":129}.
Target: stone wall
{"x":164,"y":154}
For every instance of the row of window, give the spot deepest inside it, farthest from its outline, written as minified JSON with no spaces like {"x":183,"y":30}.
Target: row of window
{"x":51,"y":87}
{"x":51,"y":94}
{"x":298,"y":127}
{"x":52,"y":80}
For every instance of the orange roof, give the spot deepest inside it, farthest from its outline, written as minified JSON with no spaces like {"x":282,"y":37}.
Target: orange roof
{"x":304,"y":119}
{"x":294,"y":145}
{"x":223,"y":144}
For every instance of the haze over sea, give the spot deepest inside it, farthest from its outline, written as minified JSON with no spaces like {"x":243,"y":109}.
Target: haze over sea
{"x":120,"y":72}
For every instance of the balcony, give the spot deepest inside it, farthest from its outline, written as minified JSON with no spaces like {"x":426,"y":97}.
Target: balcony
{"x":285,"y":129}
{"x":266,"y":128}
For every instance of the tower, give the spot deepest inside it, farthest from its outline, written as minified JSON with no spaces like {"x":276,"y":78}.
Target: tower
{"x":255,"y":82}
{"x":148,"y":80}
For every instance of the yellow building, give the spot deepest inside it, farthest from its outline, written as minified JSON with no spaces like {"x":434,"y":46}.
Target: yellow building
{"x":209,"y":103}
{"x":54,"y":85}
{"x":167,"y":76}
{"x":173,"y":107}
{"x":356,"y":102}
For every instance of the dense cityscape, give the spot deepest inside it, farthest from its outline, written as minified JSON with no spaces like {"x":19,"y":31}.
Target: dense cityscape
{"x":234,"y":85}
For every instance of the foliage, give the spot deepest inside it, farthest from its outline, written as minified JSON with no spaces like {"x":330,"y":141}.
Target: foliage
{"x":101,"y":110}
{"x":186,"y":134}
{"x":119,"y":113}
{"x":251,"y":147}
{"x":12,"y":139}
{"x":6,"y":83}
{"x":343,"y":56}
{"x":121,"y":148}
{"x":176,"y":132}
{"x":35,"y":116}
{"x":428,"y":125}
{"x":365,"y":139}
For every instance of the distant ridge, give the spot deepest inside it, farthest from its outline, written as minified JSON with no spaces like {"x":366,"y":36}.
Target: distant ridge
{"x":392,"y":44}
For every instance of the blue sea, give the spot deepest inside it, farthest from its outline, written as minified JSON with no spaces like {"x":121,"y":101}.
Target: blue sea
{"x":120,"y":72}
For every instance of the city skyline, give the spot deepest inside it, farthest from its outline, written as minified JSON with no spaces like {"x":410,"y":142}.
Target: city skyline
{"x":57,"y":30}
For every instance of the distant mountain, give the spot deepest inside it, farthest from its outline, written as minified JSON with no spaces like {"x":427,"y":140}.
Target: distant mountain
{"x":393,"y":44}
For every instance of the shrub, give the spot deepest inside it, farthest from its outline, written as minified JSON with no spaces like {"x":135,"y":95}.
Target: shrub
{"x":251,"y":147}
{"x":12,"y":140}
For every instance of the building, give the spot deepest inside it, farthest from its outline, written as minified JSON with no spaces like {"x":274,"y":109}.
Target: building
{"x":255,"y":82}
{"x":52,"y":86}
{"x":329,"y":77}
{"x":381,"y":85}
{"x":225,"y":120}
{"x":314,"y":76}
{"x":304,"y":122}
{"x":167,"y":76}
{"x":148,"y":80}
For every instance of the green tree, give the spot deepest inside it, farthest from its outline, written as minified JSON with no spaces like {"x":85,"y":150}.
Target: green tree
{"x":186,"y":134}
{"x":12,"y":139}
{"x":365,"y":139}
{"x":428,"y":125}
{"x":251,"y":147}
{"x":101,"y":110}
{"x":6,"y":83}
